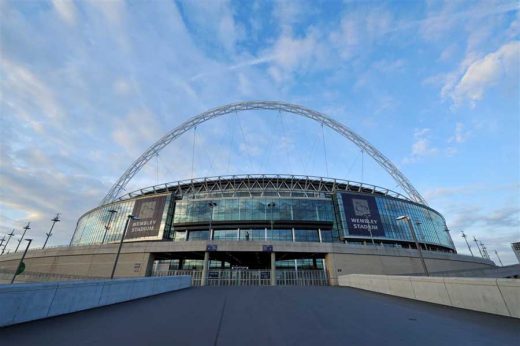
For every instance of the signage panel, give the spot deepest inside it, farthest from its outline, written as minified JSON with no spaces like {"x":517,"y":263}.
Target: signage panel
{"x":267,"y":248}
{"x":150,"y":212}
{"x":362,"y":215}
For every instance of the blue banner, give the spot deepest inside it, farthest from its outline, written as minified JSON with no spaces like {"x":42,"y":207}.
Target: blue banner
{"x":362,"y":215}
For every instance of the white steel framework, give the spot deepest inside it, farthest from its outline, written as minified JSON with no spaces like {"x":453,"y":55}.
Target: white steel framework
{"x":343,"y":130}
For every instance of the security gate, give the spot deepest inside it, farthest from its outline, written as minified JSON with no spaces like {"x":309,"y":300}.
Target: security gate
{"x":241,"y":277}
{"x":252,"y":277}
{"x":196,"y":275}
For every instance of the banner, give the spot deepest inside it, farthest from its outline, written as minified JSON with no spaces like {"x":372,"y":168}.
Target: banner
{"x":362,"y":215}
{"x":150,"y":212}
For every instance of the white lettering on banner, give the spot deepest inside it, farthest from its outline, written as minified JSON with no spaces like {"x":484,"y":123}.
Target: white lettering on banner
{"x":143,"y":225}
{"x":372,"y":221}
{"x":365,"y":224}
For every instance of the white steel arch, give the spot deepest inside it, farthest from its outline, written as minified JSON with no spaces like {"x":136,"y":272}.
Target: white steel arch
{"x":263,"y":105}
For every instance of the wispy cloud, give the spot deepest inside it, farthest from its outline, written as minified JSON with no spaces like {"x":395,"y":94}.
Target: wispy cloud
{"x":486,"y":72}
{"x":66,"y":10}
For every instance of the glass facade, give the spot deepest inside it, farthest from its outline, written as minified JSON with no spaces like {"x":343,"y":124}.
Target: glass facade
{"x":249,"y":209}
{"x":430,"y":227}
{"x":321,"y":218}
{"x":92,"y":227}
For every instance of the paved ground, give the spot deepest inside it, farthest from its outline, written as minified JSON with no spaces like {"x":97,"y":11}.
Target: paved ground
{"x":269,"y":316}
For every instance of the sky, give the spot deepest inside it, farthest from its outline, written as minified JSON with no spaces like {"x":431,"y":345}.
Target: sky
{"x":87,"y":86}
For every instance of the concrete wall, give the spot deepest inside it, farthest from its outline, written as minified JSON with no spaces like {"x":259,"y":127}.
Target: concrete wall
{"x":383,"y":261}
{"x":495,"y":296}
{"x":27,"y":302}
{"x":137,"y":258}
{"x":87,"y":261}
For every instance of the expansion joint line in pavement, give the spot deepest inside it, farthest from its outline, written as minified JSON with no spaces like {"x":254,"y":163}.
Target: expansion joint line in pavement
{"x":220,"y":321}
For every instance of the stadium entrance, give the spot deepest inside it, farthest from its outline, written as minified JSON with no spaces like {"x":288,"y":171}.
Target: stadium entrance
{"x":244,"y":268}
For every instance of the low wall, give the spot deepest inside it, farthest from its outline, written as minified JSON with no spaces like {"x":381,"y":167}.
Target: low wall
{"x":495,"y":296}
{"x":27,"y":302}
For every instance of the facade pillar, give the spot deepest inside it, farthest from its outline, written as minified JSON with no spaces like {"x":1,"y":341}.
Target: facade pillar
{"x":205,"y":269}
{"x":273,"y":269}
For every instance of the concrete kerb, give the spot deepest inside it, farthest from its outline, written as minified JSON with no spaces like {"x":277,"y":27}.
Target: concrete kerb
{"x":27,"y":302}
{"x":476,"y":294}
{"x":430,"y":289}
{"x":510,"y":291}
{"x":495,"y":296}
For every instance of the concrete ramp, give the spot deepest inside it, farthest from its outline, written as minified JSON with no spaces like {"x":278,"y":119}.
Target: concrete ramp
{"x":269,"y":316}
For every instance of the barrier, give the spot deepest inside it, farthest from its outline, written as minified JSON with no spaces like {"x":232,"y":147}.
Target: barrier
{"x":252,"y":277}
{"x":495,"y":296}
{"x":27,"y":302}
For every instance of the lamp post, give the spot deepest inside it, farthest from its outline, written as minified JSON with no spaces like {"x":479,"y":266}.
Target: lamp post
{"x":107,"y":226}
{"x":501,"y":264}
{"x":56,"y":219}
{"x":469,"y":247}
{"x":211,"y":205}
{"x":271,"y":206}
{"x":484,"y":250}
{"x":21,"y":260}
{"x":7,"y":242}
{"x":130,"y":217}
{"x":25,"y":229}
{"x":478,"y":247}
{"x":412,"y":230}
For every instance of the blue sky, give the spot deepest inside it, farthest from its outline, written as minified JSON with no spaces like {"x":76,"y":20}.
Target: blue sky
{"x":87,"y":86}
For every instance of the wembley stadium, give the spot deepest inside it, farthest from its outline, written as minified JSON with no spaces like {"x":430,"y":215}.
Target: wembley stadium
{"x":257,"y":229}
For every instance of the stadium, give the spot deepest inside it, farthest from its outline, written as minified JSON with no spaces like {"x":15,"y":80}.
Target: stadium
{"x":257,"y":229}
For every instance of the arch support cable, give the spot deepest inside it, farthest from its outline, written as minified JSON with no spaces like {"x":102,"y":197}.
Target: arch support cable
{"x":343,"y":130}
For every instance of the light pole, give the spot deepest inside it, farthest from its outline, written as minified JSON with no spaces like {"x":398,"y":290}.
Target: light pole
{"x":211,"y":205}
{"x":25,"y":229}
{"x":7,"y":242}
{"x":478,"y":247}
{"x":484,"y":250}
{"x":501,"y":264}
{"x":21,"y":260}
{"x":130,"y":217}
{"x":469,"y":247}
{"x":107,"y":226}
{"x":56,"y":219}
{"x":412,"y":230}
{"x":271,"y":206}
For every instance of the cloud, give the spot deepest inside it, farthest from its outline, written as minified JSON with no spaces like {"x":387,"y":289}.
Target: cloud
{"x":467,"y":217}
{"x":443,"y":16}
{"x":358,"y":30}
{"x":297,"y":55}
{"x":37,"y":189}
{"x":243,"y":64}
{"x":461,"y":134}
{"x":422,"y":145}
{"x":28,"y":97}
{"x":137,"y":131}
{"x":481,"y":74}
{"x":214,"y":23}
{"x":441,"y":192}
{"x":66,"y":10}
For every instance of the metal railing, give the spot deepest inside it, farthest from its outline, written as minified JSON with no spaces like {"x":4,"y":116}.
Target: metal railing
{"x":6,"y":274}
{"x":249,"y":277}
{"x":252,"y":277}
{"x":196,"y":275}
{"x":301,"y":278}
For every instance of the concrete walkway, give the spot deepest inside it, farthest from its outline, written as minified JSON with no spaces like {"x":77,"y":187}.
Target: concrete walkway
{"x":269,"y":316}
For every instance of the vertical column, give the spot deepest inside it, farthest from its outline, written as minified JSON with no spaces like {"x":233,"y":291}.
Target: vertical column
{"x":205,"y":269}
{"x":273,"y":269}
